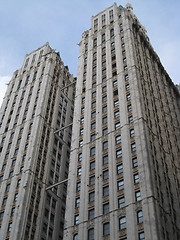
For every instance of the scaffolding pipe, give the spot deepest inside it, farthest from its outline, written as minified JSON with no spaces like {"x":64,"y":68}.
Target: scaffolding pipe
{"x":56,"y":184}
{"x":63,"y":128}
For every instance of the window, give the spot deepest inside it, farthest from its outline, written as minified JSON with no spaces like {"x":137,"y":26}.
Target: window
{"x":95,"y":42}
{"x":140,"y":216}
{"x":122,"y":223}
{"x":94,"y":68}
{"x":81,"y":131}
{"x":113,"y":58}
{"x":128,"y":97}
{"x":106,"y":229}
{"x":82,"y":110}
{"x":9,"y":227}
{"x":93,"y":125}
{"x":104,"y":120}
{"x":91,"y":234}
{"x":106,"y":208}
{"x":78,"y":186}
{"x":15,"y":197}
{"x":121,"y":202}
{"x":119,"y":153}
{"x":141,"y":236}
{"x":112,"y":33}
{"x":117,"y":126}
{"x":130,"y":119}
{"x":114,"y":74}
{"x":126,"y":77}
{"x":133,"y":147}
{"x":112,"y":44}
{"x":81,"y":143}
{"x":105,"y":191}
{"x":93,"y":94}
{"x":91,"y":196}
{"x":92,"y":151}
{"x":104,"y":89}
{"x":92,"y":165}
{"x":93,"y":114}
{"x":12,"y":212}
{"x":92,"y":180}
{"x":75,"y":237}
{"x":105,"y":145}
{"x":79,"y":171}
{"x":4,"y":202}
{"x":118,"y":139}
{"x":125,"y":68}
{"x":80,"y":157}
{"x":119,"y":168}
{"x":138,"y":196}
{"x":1,"y":216}
{"x":104,"y":63}
{"x":105,"y":131}
{"x":7,"y":187}
{"x":77,"y":202}
{"x":104,"y":99}
{"x":76,"y":219}
{"x":93,"y":104}
{"x":103,"y":38}
{"x":129,"y":107}
{"x":134,"y":162}
{"x":83,"y":100}
{"x":105,"y":174}
{"x":11,"y":174}
{"x":136,"y":178}
{"x":104,"y":109}
{"x":116,"y":103}
{"x":93,"y":137}
{"x":105,"y":159}
{"x":127,"y":87}
{"x":131,"y":133}
{"x":113,"y":51}
{"x":94,"y":84}
{"x":120,"y":184}
{"x":91,"y":214}
{"x":115,"y":83}
{"x":116,"y":114}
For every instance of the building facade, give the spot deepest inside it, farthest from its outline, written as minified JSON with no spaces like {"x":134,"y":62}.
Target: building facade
{"x":33,"y":153}
{"x":124,"y":163}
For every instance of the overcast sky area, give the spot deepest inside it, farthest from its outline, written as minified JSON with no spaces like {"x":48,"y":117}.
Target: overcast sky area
{"x":27,"y":25}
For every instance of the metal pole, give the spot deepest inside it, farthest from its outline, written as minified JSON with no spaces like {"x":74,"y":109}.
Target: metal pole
{"x":63,"y":128}
{"x":56,"y":184}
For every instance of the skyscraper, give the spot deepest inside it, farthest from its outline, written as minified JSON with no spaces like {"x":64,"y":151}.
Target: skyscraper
{"x":124,"y":164}
{"x":35,"y":147}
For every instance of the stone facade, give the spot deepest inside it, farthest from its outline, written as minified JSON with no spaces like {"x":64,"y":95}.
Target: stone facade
{"x":124,"y":167}
{"x":36,"y":104}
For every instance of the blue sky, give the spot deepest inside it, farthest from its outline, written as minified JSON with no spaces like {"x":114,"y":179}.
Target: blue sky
{"x":27,"y":25}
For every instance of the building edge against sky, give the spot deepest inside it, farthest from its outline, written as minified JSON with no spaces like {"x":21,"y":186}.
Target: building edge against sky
{"x":124,"y":163}
{"x":33,"y":156}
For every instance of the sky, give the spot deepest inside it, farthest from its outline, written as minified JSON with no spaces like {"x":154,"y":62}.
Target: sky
{"x":27,"y":25}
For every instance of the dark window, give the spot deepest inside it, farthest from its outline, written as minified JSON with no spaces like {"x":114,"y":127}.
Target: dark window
{"x":122,"y":223}
{"x":106,"y":208}
{"x":106,"y":229}
{"x":121,"y":202}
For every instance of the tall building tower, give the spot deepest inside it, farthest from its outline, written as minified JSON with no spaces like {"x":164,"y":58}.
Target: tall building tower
{"x":34,"y":154}
{"x":124,"y":164}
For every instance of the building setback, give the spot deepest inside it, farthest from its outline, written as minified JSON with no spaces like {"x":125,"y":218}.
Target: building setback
{"x":124,"y":165}
{"x":32,"y":156}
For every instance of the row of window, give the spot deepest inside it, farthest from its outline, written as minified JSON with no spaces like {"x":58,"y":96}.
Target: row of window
{"x":106,"y":231}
